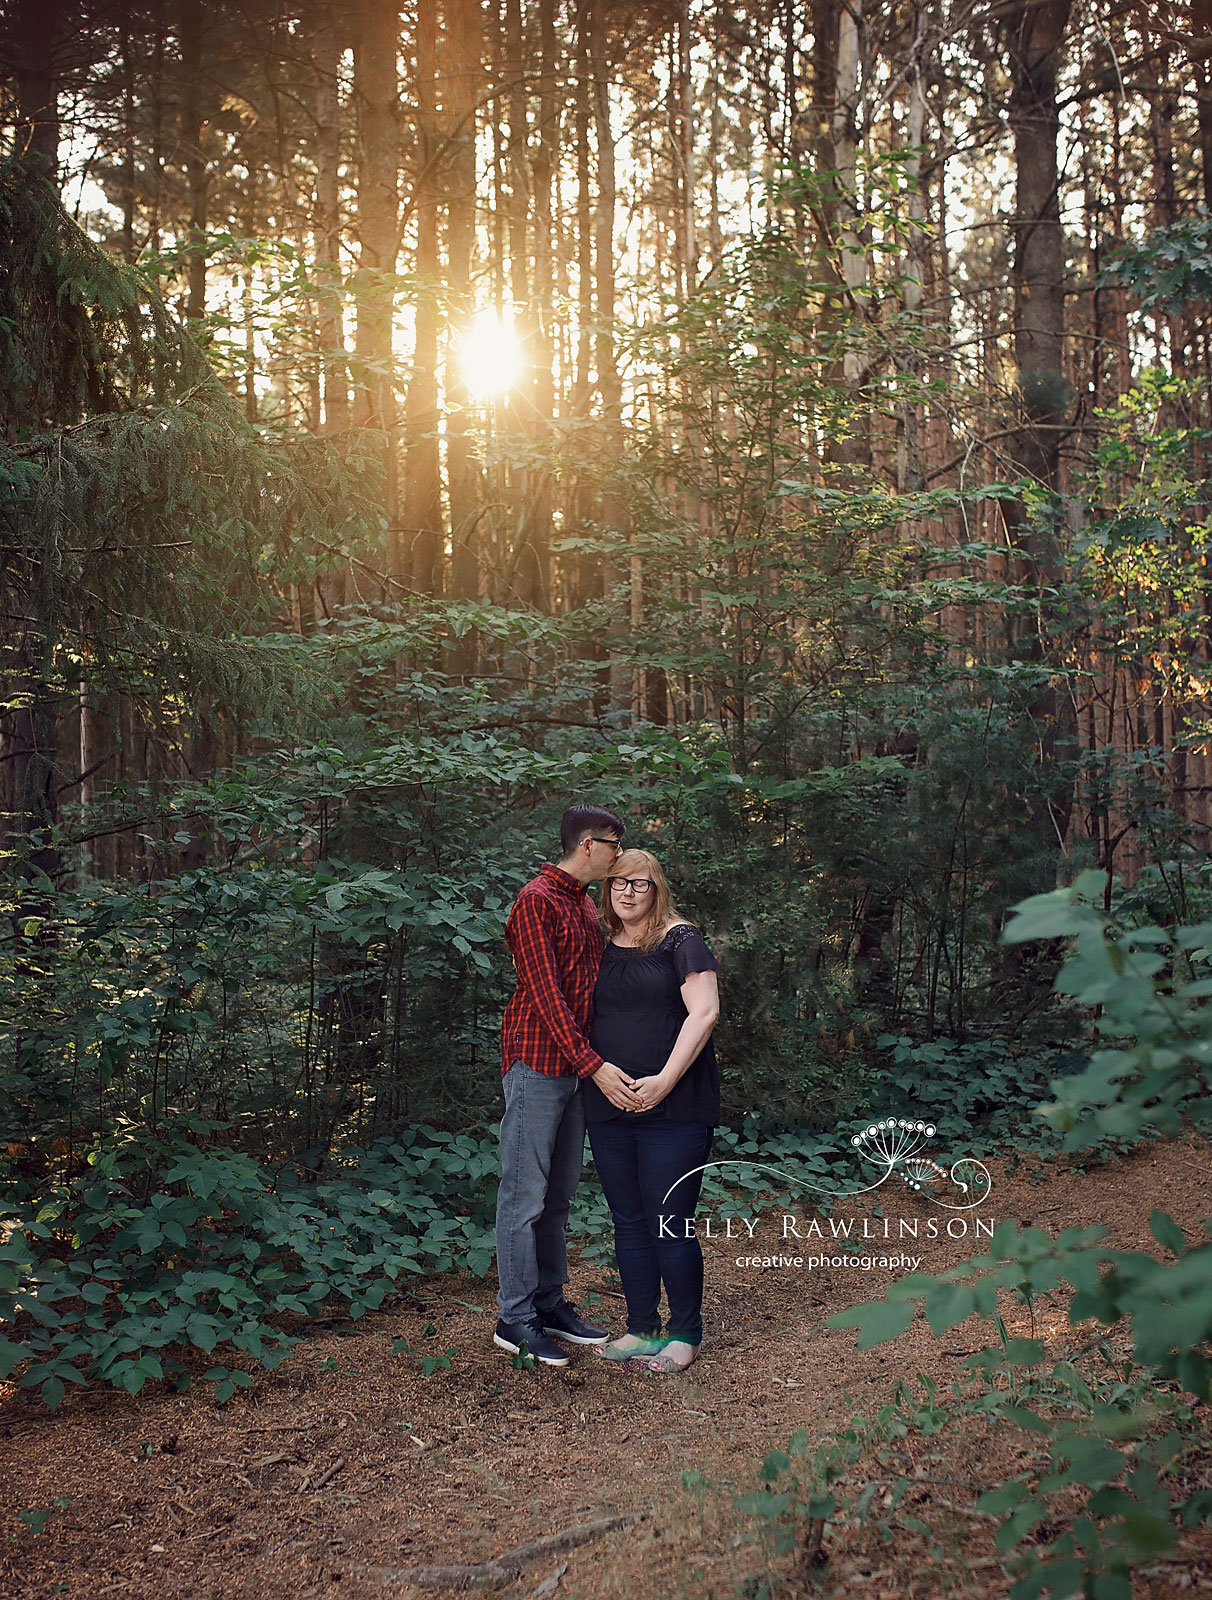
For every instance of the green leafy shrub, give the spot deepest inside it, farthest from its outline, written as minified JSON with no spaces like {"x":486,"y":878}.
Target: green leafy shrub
{"x":105,"y":1280}
{"x":1109,"y":1431}
{"x":991,"y":1085}
{"x":1149,"y":990}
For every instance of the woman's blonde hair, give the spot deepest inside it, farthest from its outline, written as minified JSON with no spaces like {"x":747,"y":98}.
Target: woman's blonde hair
{"x":639,"y":864}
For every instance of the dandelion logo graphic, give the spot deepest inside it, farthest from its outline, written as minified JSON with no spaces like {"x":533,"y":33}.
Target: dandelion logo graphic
{"x":895,"y":1144}
{"x":896,"y":1147}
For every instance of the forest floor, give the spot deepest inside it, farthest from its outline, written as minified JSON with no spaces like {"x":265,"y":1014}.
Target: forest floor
{"x":348,"y":1469}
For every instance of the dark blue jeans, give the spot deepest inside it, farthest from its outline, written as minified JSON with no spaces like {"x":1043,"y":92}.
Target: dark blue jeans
{"x":638,"y":1162}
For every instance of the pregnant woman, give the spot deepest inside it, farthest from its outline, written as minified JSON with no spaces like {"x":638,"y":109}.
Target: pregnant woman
{"x":655,"y":1004}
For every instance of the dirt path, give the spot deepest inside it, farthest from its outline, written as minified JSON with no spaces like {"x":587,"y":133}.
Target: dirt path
{"x":349,"y":1465}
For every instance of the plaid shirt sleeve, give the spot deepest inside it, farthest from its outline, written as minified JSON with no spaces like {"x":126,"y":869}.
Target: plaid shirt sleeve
{"x":538,"y":971}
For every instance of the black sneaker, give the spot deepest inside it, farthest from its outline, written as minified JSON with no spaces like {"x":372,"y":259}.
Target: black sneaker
{"x":563,"y":1321}
{"x":512,"y":1336}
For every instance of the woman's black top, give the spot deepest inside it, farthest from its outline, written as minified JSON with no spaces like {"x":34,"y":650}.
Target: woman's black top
{"x":638,"y":1012}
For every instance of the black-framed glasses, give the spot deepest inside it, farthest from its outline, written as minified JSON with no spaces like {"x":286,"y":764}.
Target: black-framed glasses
{"x":639,"y":885}
{"x":617,"y":844}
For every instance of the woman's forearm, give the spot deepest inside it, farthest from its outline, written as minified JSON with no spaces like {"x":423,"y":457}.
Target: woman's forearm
{"x":692,"y":1036}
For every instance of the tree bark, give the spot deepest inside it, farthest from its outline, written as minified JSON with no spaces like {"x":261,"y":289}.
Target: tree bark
{"x":192,"y":25}
{"x":844,"y":137}
{"x":423,"y":495}
{"x":529,"y":556}
{"x":129,"y":184}
{"x":36,"y":27}
{"x":542,"y":310}
{"x":614,"y":572}
{"x":588,"y":584}
{"x":1036,"y":35}
{"x":838,"y":32}
{"x":690,"y":243}
{"x":376,"y":88}
{"x":1036,"y":38}
{"x":326,"y":222}
{"x":461,"y":80}
{"x":1201,"y":50}
{"x":910,"y":475}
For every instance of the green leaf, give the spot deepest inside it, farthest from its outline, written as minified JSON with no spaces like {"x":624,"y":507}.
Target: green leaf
{"x":1025,"y":1418}
{"x":877,"y":1322}
{"x":1023,"y":1352}
{"x":1019,"y":1523}
{"x":11,"y":1355}
{"x":995,"y":1501}
{"x":1055,"y":915}
{"x":203,"y":1332}
{"x":949,"y":1304}
{"x":764,"y":1504}
{"x":1167,"y":1232}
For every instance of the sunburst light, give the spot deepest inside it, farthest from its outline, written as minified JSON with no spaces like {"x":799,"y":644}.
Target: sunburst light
{"x":490,"y":356}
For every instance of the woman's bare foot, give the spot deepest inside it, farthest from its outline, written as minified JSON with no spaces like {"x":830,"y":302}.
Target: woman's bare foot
{"x":676,"y":1356}
{"x":631,"y":1346}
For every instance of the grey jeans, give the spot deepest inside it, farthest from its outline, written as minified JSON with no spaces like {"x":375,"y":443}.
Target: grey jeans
{"x":542,"y":1147}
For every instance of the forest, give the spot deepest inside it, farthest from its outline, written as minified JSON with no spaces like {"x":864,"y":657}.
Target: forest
{"x":785,"y":425}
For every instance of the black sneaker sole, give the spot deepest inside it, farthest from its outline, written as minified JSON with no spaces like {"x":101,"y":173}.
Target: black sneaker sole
{"x":576,"y":1338}
{"x":548,"y":1361}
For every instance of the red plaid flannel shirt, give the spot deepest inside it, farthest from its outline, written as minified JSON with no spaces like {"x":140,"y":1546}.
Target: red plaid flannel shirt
{"x":556,"y":941}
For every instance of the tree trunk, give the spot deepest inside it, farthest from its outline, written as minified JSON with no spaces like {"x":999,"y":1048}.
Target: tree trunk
{"x":1036,"y":33}
{"x":589,"y":562}
{"x":376,"y":88}
{"x":690,"y":243}
{"x":542,"y":310}
{"x":844,"y":137}
{"x":36,"y":25}
{"x":129,"y":184}
{"x":910,"y":476}
{"x":615,"y":573}
{"x":529,"y":557}
{"x":197,"y":174}
{"x":326,"y":222}
{"x":838,"y":91}
{"x":156,"y":175}
{"x":515,"y":103}
{"x":423,"y":495}
{"x":30,"y":752}
{"x":1201,"y":50}
{"x":461,"y":77}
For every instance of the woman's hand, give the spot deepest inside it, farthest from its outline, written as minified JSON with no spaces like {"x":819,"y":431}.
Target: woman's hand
{"x":649,"y":1092}
{"x":616,"y":1085}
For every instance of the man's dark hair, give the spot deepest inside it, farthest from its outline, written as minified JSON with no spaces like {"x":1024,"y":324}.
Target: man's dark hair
{"x":577,"y":821}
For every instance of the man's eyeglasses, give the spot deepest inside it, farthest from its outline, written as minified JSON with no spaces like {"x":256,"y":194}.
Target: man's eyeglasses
{"x":615,"y":844}
{"x":639,"y":885}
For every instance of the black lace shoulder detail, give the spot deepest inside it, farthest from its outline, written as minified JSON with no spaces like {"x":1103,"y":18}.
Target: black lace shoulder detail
{"x":687,"y":949}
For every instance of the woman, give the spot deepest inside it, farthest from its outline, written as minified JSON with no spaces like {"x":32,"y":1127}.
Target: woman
{"x":655,"y":1005}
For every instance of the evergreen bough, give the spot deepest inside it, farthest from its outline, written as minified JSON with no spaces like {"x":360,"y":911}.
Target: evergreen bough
{"x":145,"y":525}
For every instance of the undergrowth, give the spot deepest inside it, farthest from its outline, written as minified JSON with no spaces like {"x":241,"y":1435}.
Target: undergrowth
{"x":172,"y":1256}
{"x":1120,"y":1463}
{"x":1096,"y":1427}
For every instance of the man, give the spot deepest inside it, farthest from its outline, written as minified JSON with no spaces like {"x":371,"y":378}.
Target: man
{"x":556,"y":941}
